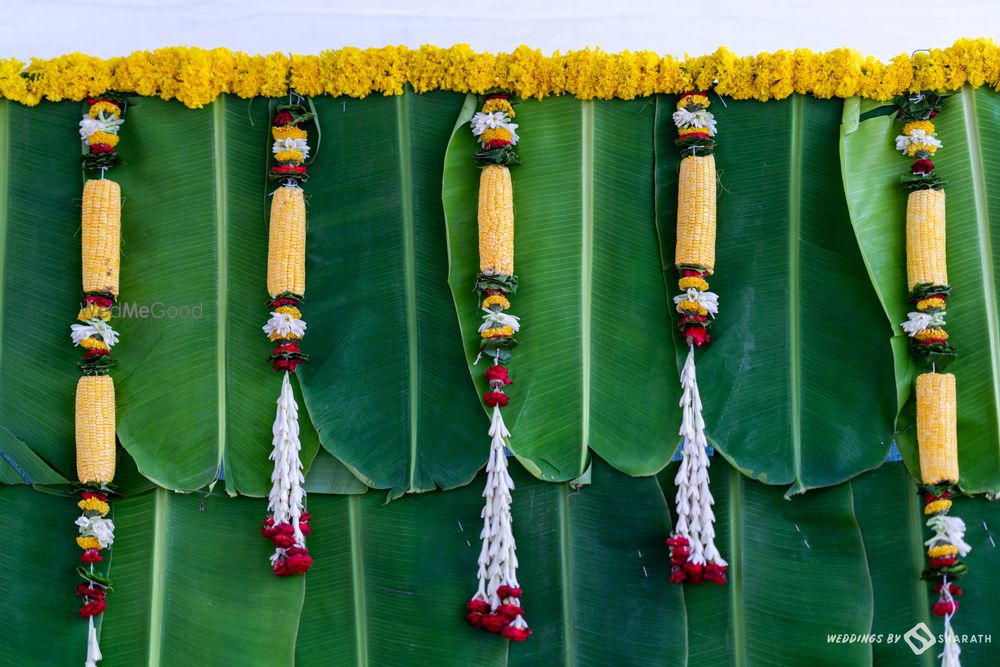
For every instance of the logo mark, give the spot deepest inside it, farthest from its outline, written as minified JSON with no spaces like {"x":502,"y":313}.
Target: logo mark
{"x":919,"y":638}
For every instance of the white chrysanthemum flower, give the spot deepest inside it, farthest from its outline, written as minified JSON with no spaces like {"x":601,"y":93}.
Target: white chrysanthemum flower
{"x":707,"y":300}
{"x":948,"y":530}
{"x":916,"y":137}
{"x":701,"y":119}
{"x":494,"y":120}
{"x":290,"y":144}
{"x":921,"y":321}
{"x":499,"y":319}
{"x":99,"y":527}
{"x":284,"y":324}
{"x":94,"y":328}
{"x":102,"y":123}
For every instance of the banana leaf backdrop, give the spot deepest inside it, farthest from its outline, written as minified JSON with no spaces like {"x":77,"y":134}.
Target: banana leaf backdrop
{"x":802,"y":386}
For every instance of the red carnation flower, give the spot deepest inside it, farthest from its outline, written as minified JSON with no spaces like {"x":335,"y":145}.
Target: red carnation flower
{"x":692,"y":273}
{"x":511,"y":611}
{"x":91,"y":556}
{"x":305,"y":516}
{"x":947,"y":561}
{"x":286,"y":364}
{"x":933,"y":341}
{"x":90,"y":591}
{"x":498,"y":373}
{"x":495,"y":622}
{"x":696,"y":135}
{"x":697,"y":335}
{"x":516,"y":634}
{"x":90,"y":494}
{"x":944,"y":607}
{"x":694,"y":572}
{"x":93,"y":354}
{"x":269,"y":521}
{"x":305,"y":528}
{"x":99,"y":301}
{"x":497,"y":143}
{"x":495,"y":398}
{"x":677,"y":541}
{"x":933,"y":113}
{"x":96,"y":149}
{"x":477,"y":605}
{"x":677,"y":574}
{"x":922,"y":166}
{"x":282,"y":119}
{"x":296,"y":561}
{"x":497,"y":96}
{"x":283,"y":541}
{"x":284,"y":301}
{"x":93,"y":608}
{"x":509,"y":592}
{"x":952,"y":588}
{"x":715,"y":573}
{"x":475,"y":619}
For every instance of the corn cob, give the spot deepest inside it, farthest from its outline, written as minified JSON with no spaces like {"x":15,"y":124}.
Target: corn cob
{"x":101,"y":235}
{"x":496,"y":221}
{"x":925,"y":238}
{"x":937,"y":430}
{"x":95,"y":429}
{"x":696,"y":213}
{"x":286,"y":246}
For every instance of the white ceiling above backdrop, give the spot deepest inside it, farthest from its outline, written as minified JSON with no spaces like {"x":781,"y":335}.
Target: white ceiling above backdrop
{"x":883,"y":28}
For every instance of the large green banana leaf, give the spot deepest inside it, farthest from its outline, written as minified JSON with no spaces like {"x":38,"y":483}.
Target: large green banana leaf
{"x":40,"y":272}
{"x":797,"y":573}
{"x":798,"y":382}
{"x":892,"y":525}
{"x":967,"y":127}
{"x":193,"y":586}
{"x":386,"y":387}
{"x":594,"y":365}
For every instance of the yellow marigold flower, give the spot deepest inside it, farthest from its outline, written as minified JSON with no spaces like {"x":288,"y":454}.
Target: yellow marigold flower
{"x":683,"y":131}
{"x":913,"y":149}
{"x":295,"y":157}
{"x":924,"y":125}
{"x":936,"y":332}
{"x":289,"y":310}
{"x":93,"y":344}
{"x":942,"y":550}
{"x":94,"y":505}
{"x":290,"y":336}
{"x":688,"y":100}
{"x":937,"y":506}
{"x":88,"y":543}
{"x":101,"y":137}
{"x":288,"y":132}
{"x":693,"y":281}
{"x":498,"y":332}
{"x":496,"y":300}
{"x":94,"y":312}
{"x":688,"y":306}
{"x":494,"y":133}
{"x":931,"y":303}
{"x":109,"y":109}
{"x":499,"y":104}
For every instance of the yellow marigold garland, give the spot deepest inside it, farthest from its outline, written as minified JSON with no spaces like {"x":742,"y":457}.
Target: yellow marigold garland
{"x":197,"y":76}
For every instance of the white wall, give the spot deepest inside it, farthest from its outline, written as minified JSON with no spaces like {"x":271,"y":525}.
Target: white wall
{"x":882,"y":28}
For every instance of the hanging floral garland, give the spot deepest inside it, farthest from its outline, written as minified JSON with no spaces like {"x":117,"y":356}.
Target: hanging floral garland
{"x":937,"y":418}
{"x":496,"y":605}
{"x":287,"y":524}
{"x":694,"y":557}
{"x":95,"y":391}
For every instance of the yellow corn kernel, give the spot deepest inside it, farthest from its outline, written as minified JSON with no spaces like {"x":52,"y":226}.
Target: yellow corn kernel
{"x":101,"y":232}
{"x":88,"y":543}
{"x":937,"y":428}
{"x":696,"y":213}
{"x":286,"y":245}
{"x":496,"y":221}
{"x":95,"y":429}
{"x":925,"y":239}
